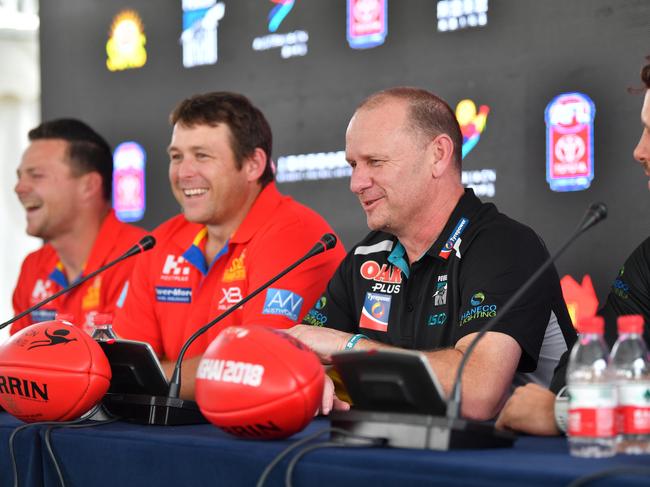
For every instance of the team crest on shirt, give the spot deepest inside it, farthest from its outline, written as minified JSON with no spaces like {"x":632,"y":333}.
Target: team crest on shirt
{"x":92,"y":297}
{"x":175,"y":268}
{"x":42,"y":290}
{"x":237,"y":269}
{"x":440,"y":294}
{"x":375,"y":312}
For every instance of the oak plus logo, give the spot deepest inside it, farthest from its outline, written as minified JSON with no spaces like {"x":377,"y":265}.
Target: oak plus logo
{"x":175,"y":268}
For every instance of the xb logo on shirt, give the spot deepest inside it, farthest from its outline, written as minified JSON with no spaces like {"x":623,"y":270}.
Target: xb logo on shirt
{"x":42,"y":289}
{"x":175,"y":269}
{"x":231,"y":295}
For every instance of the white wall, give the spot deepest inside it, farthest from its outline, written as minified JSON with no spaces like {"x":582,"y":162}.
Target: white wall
{"x":19,"y":112}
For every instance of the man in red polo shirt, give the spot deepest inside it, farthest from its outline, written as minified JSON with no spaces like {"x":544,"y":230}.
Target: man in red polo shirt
{"x":65,"y":183}
{"x":235,"y":233}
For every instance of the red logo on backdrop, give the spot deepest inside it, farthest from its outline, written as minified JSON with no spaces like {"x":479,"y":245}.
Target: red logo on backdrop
{"x":581,"y":300}
{"x":570,"y":142}
{"x":366,"y":23}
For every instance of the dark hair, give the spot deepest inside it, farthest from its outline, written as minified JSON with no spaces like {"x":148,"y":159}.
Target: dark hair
{"x":428,"y":114}
{"x":248,"y":126}
{"x":87,"y":150}
{"x":645,"y":73}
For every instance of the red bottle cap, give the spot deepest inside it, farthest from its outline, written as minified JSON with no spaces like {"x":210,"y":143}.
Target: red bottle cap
{"x":593,"y":324}
{"x":103,"y":319}
{"x":630,"y":324}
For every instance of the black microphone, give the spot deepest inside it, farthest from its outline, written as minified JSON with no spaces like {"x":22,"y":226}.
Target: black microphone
{"x":170,"y":409}
{"x":327,"y":241}
{"x":596,"y":213}
{"x":147,"y":242}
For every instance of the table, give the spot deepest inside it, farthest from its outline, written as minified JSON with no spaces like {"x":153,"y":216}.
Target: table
{"x":122,"y":454}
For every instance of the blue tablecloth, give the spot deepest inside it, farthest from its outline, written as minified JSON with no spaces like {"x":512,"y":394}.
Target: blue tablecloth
{"x":122,"y":454}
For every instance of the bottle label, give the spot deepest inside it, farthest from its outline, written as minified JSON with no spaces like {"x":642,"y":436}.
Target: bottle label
{"x":591,"y":410}
{"x":633,"y":413}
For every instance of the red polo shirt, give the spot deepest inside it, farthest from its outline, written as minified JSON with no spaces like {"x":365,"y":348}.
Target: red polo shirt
{"x":42,"y":275}
{"x":173,"y":291}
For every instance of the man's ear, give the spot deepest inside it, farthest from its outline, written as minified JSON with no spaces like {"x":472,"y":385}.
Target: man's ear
{"x":90,"y":185}
{"x":441,"y":150}
{"x":255,"y":164}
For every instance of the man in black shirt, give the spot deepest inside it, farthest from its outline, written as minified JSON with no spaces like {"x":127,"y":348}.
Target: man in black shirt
{"x":534,"y":409}
{"x":438,"y":263}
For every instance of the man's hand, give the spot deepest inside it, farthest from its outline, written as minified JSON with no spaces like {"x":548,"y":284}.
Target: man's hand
{"x":323,"y":341}
{"x":330,"y":401}
{"x":530,"y":409}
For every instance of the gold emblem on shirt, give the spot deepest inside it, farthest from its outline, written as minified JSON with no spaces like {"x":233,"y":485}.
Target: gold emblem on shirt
{"x":237,"y":269}
{"x":91,"y":298}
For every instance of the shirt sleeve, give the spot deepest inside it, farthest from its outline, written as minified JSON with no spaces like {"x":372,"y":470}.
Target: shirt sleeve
{"x":493,"y":268}
{"x":288,"y":300}
{"x":630,"y":293}
{"x":135,"y":318}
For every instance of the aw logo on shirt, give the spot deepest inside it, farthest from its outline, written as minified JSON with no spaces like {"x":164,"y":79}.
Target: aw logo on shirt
{"x":282,"y":302}
{"x":375,"y":312}
{"x":175,"y":269}
{"x":42,"y":289}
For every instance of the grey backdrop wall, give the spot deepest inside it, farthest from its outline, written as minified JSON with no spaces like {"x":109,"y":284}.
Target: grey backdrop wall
{"x":529,"y":52}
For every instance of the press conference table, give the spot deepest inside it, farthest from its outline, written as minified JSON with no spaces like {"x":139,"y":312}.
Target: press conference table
{"x":122,"y":454}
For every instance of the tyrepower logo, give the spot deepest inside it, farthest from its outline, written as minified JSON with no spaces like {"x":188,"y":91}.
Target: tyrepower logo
{"x":176,"y":268}
{"x":387,"y":277}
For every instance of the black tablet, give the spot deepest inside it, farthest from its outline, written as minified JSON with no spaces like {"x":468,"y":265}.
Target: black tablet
{"x":386,"y":380}
{"x":135,"y":368}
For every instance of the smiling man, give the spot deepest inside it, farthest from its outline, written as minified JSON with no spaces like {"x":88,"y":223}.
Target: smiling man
{"x":438,"y":263}
{"x":235,"y":233}
{"x":64,"y":183}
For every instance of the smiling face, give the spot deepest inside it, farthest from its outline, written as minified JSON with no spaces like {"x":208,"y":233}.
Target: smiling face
{"x":642,"y":150}
{"x":204,"y":175}
{"x":47,"y":189}
{"x":390,"y":173}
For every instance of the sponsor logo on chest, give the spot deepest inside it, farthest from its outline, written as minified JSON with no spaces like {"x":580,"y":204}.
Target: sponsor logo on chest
{"x":175,"y":268}
{"x":387,"y":278}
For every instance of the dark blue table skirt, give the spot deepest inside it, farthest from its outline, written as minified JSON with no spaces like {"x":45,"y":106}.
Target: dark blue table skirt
{"x":122,"y":454}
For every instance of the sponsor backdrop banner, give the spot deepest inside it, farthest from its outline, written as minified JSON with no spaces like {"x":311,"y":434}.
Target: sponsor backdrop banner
{"x":123,"y":65}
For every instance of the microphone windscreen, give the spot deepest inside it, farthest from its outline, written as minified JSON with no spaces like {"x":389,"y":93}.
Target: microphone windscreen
{"x":52,"y":371}
{"x":147,"y":242}
{"x":329,"y":240}
{"x":256,"y":382}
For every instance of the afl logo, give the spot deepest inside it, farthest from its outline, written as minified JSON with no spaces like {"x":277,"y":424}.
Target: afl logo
{"x":377,"y":310}
{"x":477,"y":299}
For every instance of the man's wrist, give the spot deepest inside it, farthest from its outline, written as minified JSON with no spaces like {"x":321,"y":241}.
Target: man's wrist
{"x":561,"y":410}
{"x":351,"y":343}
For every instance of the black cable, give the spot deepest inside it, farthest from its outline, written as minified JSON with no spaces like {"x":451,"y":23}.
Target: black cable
{"x":278,"y":458}
{"x":50,"y":450}
{"x":631,"y":470}
{"x":14,"y":433}
{"x":296,"y":458}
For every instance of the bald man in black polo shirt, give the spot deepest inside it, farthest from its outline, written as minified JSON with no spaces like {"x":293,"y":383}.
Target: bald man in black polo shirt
{"x":438,"y":263}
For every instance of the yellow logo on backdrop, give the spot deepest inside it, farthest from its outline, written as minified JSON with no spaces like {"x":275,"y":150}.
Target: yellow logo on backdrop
{"x":125,"y":46}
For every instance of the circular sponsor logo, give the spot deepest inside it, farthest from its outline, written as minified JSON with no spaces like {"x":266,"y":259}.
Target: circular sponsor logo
{"x":377,"y":310}
{"x":477,"y":299}
{"x":320,"y":304}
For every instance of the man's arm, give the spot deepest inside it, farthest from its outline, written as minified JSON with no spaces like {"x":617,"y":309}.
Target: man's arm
{"x":486,"y":379}
{"x":530,"y":409}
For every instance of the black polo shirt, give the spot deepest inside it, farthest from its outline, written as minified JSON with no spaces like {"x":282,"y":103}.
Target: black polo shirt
{"x":480,"y":259}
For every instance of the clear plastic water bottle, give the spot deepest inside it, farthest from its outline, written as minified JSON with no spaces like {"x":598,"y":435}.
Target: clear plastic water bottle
{"x":103,"y":327}
{"x":592,"y":394}
{"x":631,"y":369}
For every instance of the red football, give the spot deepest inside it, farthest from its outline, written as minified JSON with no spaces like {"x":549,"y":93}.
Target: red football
{"x":256,"y":382}
{"x":52,"y":371}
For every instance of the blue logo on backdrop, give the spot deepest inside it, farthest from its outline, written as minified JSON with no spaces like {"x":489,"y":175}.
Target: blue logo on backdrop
{"x":173,"y":294}
{"x":282,"y":302}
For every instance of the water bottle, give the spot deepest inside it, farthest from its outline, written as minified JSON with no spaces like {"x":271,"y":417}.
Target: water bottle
{"x":592,"y":394}
{"x":103,"y":327}
{"x":632,"y":375}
